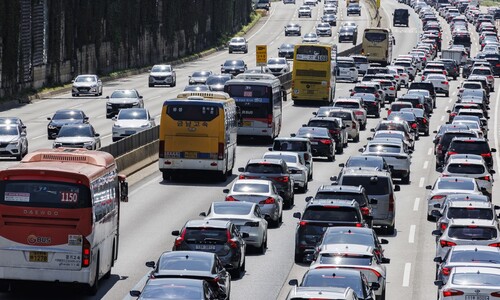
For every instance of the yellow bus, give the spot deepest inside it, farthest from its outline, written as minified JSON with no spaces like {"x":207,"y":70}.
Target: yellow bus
{"x":377,"y":45}
{"x":313,"y":75}
{"x":198,"y":133}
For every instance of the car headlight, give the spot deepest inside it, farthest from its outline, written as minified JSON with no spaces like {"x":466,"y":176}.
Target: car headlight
{"x":14,"y":142}
{"x":144,"y":126}
{"x":109,"y":104}
{"x":51,"y":127}
{"x":93,"y":86}
{"x":191,"y":81}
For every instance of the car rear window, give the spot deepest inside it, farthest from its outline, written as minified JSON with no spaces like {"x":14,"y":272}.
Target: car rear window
{"x":342,"y":196}
{"x":349,"y":105}
{"x":469,"y":147}
{"x":465,"y":168}
{"x":481,"y":72}
{"x":448,"y":136}
{"x":391,"y":126}
{"x":341,"y":114}
{"x":373,"y":185}
{"x":477,"y":256}
{"x":317,"y":280}
{"x":470,"y":213}
{"x":290,"y":146}
{"x":348,"y":237}
{"x":456,"y":183}
{"x":364,"y":89}
{"x":323,"y":123}
{"x":195,"y":234}
{"x":475,"y":279}
{"x":472,"y":232}
{"x":251,"y":188}
{"x":228,"y":208}
{"x":362,"y":162}
{"x":339,"y":259}
{"x":264,"y":168}
{"x":346,"y":64}
{"x":384,"y":148}
{"x":331,"y":214}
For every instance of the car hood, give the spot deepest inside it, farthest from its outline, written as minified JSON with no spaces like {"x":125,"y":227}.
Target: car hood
{"x":281,"y":66}
{"x":217,"y":87}
{"x":84,"y":84}
{"x":8,"y":138}
{"x":65,"y":122}
{"x":122,"y":100}
{"x":131,"y":123}
{"x":237,"y":44}
{"x":160,"y":73}
{"x":74,"y":139}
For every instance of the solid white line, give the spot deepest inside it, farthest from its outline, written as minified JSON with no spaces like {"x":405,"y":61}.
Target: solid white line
{"x":426,"y":164}
{"x":421,"y":183}
{"x":416,"y":204}
{"x":429,"y":152}
{"x":154,"y":180}
{"x":497,"y":156}
{"x":411,"y":236}
{"x":406,"y":274}
{"x":449,"y":101}
{"x":442,"y":118}
{"x":446,"y":108}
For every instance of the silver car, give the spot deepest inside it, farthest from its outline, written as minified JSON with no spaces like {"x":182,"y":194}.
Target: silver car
{"x":470,"y":283}
{"x":467,"y":232}
{"x":13,"y":141}
{"x":460,"y":209}
{"x":444,"y":186}
{"x":89,"y":84}
{"x":294,"y":162}
{"x":260,"y":191}
{"x":356,"y":106}
{"x":246,"y":216}
{"x":120,"y":99}
{"x":302,"y":146}
{"x":131,"y":121}
{"x":78,"y":136}
{"x":238,"y":44}
{"x":474,"y":168}
{"x":162,"y":75}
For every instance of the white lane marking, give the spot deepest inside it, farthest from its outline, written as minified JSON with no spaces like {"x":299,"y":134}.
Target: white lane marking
{"x":446,"y":108}
{"x":39,"y":137}
{"x":426,"y":164}
{"x":101,"y":116}
{"x":154,"y":180}
{"x":497,"y":156}
{"x":106,"y":136}
{"x":269,"y":18}
{"x":406,"y":274}
{"x":449,"y":101}
{"x":442,"y":118}
{"x":454,"y":93}
{"x":416,"y":204}
{"x":411,"y":236}
{"x":421,"y":182}
{"x":429,"y":152}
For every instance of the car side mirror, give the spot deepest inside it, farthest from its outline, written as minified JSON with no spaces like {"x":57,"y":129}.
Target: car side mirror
{"x":384,"y":242}
{"x":492,"y":150}
{"x":203,"y":214}
{"x":175,"y":232}
{"x":397,"y":188}
{"x":428,"y":187}
{"x":304,"y":125}
{"x":107,"y":97}
{"x":241,"y":169}
{"x":140,"y":97}
{"x":374,"y":286}
{"x":293,"y":282}
{"x":135,"y":293}
{"x":315,"y":113}
{"x":114,"y":118}
{"x":225,"y":191}
{"x":449,"y":111}
{"x":244,"y":235}
{"x":150,"y":264}
{"x":334,"y":178}
{"x":437,"y":232}
{"x":436,"y":214}
{"x":293,"y":135}
{"x":438,"y":259}
{"x":309,"y":198}
{"x":372,"y":130}
{"x":373,"y":201}
{"x":342,"y":165}
{"x":297,"y":215}
{"x":361,"y":150}
{"x":492,"y":172}
{"x":385,"y":260}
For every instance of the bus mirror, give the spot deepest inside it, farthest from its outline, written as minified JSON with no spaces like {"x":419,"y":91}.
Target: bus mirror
{"x":123,"y":188}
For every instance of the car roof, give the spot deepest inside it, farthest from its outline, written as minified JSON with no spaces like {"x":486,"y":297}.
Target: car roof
{"x":347,"y":248}
{"x":208,"y":223}
{"x":349,"y":229}
{"x":265,"y":161}
{"x":252,"y":181}
{"x":483,"y":248}
{"x":469,"y":204}
{"x":473,"y":222}
{"x":364,"y":172}
{"x":332,"y":202}
{"x":341,"y":188}
{"x":188,"y":254}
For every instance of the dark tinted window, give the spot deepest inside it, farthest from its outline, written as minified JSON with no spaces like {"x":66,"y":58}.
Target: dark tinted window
{"x":323,"y":280}
{"x":375,"y":37}
{"x":469,"y":147}
{"x":348,"y":105}
{"x":331,"y":213}
{"x":470,"y":213}
{"x":124,"y":94}
{"x":360,"y":198}
{"x":290,"y":146}
{"x":182,"y":263}
{"x":455,"y":183}
{"x":67,"y":115}
{"x":340,"y":114}
{"x":187,"y":112}
{"x":360,"y":161}
{"x":345,"y":64}
{"x":264,"y":168}
{"x":334,"y":259}
{"x":213,"y":80}
{"x":448,"y":136}
{"x":323,"y":123}
{"x":205,"y":234}
{"x":348,"y":238}
{"x":465,"y":168}
{"x":71,"y":131}
{"x":372,"y":185}
{"x":313,"y":131}
{"x":171,"y":291}
{"x":365,"y":89}
{"x":391,"y":126}
{"x":478,"y":256}
{"x":472,"y":232}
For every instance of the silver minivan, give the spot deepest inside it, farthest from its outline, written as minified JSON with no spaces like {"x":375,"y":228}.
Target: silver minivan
{"x":378,"y":186}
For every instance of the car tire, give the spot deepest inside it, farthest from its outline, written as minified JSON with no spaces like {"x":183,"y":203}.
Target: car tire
{"x":447,"y":94}
{"x":151,"y":85}
{"x":73,"y":95}
{"x":382,"y":297}
{"x":19,"y":157}
{"x":406,"y":179}
{"x":230,"y":51}
{"x":275,"y":223}
{"x":263,"y":247}
{"x":431,"y":218}
{"x":391,"y":229}
{"x":340,"y":149}
{"x":426,"y":132}
{"x":303,"y":189}
{"x":299,"y":258}
{"x":356,"y":139}
{"x":246,"y":51}
{"x":330,"y":157}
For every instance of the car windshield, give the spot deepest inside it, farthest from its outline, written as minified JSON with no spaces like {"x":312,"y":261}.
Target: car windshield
{"x":394,"y":135}
{"x":344,"y":115}
{"x":67,"y":115}
{"x":339,"y":259}
{"x":85,"y":79}
{"x":161,"y":69}
{"x":470,"y":213}
{"x":472,"y":93}
{"x":391,"y":126}
{"x":345,"y":64}
{"x":233,"y":63}
{"x":360,"y":198}
{"x":349,"y":105}
{"x":132,"y":114}
{"x":185,"y":262}
{"x":171,"y":291}
{"x":313,"y":131}
{"x":472,"y":232}
{"x":217,"y":80}
{"x":410,"y":117}
{"x":331,"y":213}
{"x":465,"y":168}
{"x":197,"y":88}
{"x":124,"y":94}
{"x":475,"y":279}
{"x":71,"y":131}
{"x":228,"y":208}
{"x":290,"y":145}
{"x":237,"y":40}
{"x":276,"y":61}
{"x":251,"y":188}
{"x":200,"y":74}
{"x":475,"y":256}
{"x":332,"y":279}
{"x":286,"y":158}
{"x":455,"y":183}
{"x":346,"y":29}
{"x":9,"y":130}
{"x":264,"y":168}
{"x":381,"y":148}
{"x":364,"y":89}
{"x":373,"y":185}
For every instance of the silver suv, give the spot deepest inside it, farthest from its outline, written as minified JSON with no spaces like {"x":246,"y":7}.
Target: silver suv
{"x":120,"y":99}
{"x":238,"y":44}
{"x":162,"y":75}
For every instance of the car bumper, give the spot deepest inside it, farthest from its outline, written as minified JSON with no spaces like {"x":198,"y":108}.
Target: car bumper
{"x":160,"y":80}
{"x":255,"y":131}
{"x":318,"y":150}
{"x":10,"y":150}
{"x":238,"y":48}
{"x":85,"y":90}
{"x":124,"y":132}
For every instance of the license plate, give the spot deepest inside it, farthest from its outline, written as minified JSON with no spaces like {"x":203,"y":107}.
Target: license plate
{"x":477,"y":297}
{"x":247,"y":123}
{"x":190,"y":154}
{"x":205,"y":247}
{"x":314,"y":143}
{"x":36,"y":256}
{"x":129,"y":132}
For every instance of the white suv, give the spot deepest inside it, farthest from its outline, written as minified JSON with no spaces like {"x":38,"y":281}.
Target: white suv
{"x":131,"y":121}
{"x":346,"y":69}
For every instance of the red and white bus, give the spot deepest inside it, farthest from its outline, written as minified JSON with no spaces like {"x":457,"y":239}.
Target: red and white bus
{"x":59,"y":217}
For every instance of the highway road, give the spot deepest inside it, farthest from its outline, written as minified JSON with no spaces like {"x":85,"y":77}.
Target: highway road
{"x":156,"y":207}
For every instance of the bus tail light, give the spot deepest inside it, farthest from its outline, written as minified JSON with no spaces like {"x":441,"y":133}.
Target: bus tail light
{"x":220,"y":153}
{"x":86,"y":253}
{"x":269,"y":120}
{"x":161,"y":149}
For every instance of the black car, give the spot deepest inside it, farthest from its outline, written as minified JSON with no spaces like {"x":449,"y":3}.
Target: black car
{"x":233,"y":66}
{"x":409,"y":117}
{"x":451,"y":67}
{"x":221,"y":237}
{"x":372,"y":104}
{"x":176,"y":288}
{"x":444,"y":142}
{"x":467,"y":67}
{"x":348,"y":34}
{"x":330,"y":19}
{"x":401,"y":17}
{"x":322,"y":142}
{"x":336,"y":128}
{"x":468,"y":145}
{"x":286,"y":51}
{"x":353,"y":9}
{"x":423,"y":85}
{"x":495,"y":64}
{"x":319,"y":215}
{"x":216,"y":82}
{"x":423,"y":120}
{"x":64,"y":117}
{"x":193,"y":264}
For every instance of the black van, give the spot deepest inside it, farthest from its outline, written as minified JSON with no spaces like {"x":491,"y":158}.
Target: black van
{"x":400,"y":17}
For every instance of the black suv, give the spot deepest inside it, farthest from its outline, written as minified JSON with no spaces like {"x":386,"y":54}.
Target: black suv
{"x":274,"y":170}
{"x":444,"y":142}
{"x":347,"y":192}
{"x":451,"y":67}
{"x":336,"y":129}
{"x":221,"y":237}
{"x":466,"y":145}
{"x":400,"y":17}
{"x":317,"y":216}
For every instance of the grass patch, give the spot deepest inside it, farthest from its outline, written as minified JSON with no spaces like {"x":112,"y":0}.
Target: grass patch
{"x":254,"y":18}
{"x":490,"y":3}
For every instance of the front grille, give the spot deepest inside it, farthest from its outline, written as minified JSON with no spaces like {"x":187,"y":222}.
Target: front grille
{"x":121,"y":105}
{"x":83,"y":89}
{"x":72,"y":145}
{"x":160,"y":77}
{"x":3,"y":145}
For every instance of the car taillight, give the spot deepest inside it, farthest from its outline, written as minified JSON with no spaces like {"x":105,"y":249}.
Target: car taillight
{"x":302,"y":223}
{"x":490,"y":77}
{"x":388,"y":112}
{"x":270,"y":120}
{"x":282,"y":179}
{"x":486,"y":155}
{"x":231,"y":198}
{"x":269,"y":200}
{"x":443,"y":226}
{"x":423,"y":77}
{"x":453,"y":114}
{"x":424,"y":121}
{"x":325,"y":142}
{"x":86,"y":253}
{"x":161,"y":150}
{"x":495,"y":245}
{"x":365,"y":211}
{"x":180,"y":239}
{"x":452,"y":292}
{"x":445,"y":243}
{"x":333,"y":131}
{"x":358,"y":113}
{"x":444,"y":72}
{"x":241,"y":177}
{"x":487,"y":178}
{"x":414,"y":125}
{"x":375,"y":94}
{"x":450,"y":153}
{"x":437,"y":197}
{"x":419,"y":105}
{"x":232,"y":243}
{"x":391,"y":202}
{"x":446,"y":271}
{"x":444,"y":82}
{"x":354,"y":126}
{"x":497,"y":65}
{"x":359,"y":225}
{"x":220,"y":153}
{"x":391,"y":88}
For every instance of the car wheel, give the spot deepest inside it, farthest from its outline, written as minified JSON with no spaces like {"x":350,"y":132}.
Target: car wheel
{"x":299,"y":258}
{"x":4,"y":286}
{"x":151,"y":85}
{"x":263,"y":247}
{"x":303,"y":189}
{"x":431,"y":218}
{"x":340,"y":149}
{"x":356,"y":139}
{"x":73,"y":95}
{"x":391,"y":229}
{"x":19,"y":157}
{"x":406,"y":179}
{"x":330,"y":158}
{"x":426,"y":132}
{"x":280,"y":219}
{"x":230,"y":51}
{"x":446,"y":94}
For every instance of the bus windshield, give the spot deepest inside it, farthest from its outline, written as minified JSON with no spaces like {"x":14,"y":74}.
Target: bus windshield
{"x":187,"y":112}
{"x":312,"y":53}
{"x":375,"y":37}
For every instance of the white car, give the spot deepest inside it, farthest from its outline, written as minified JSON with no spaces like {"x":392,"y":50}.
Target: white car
{"x":346,"y":69}
{"x":470,"y":283}
{"x":277,"y":66}
{"x":449,"y":185}
{"x":294,"y":162}
{"x":460,"y":209}
{"x":352,"y":124}
{"x":262,"y":192}
{"x":13,"y":141}
{"x":323,"y":29}
{"x":353,"y":256}
{"x":162,"y":75}
{"x":305,"y":11}
{"x":130,"y":121}
{"x":246,"y":216}
{"x":238,"y":44}
{"x":88,"y":84}
{"x":356,"y":106}
{"x":400,"y":75}
{"x":78,"y":136}
{"x":486,"y":72}
{"x":410,"y":69}
{"x":440,"y":82}
{"x":361,"y":63}
{"x":471,"y":168}
{"x":395,"y":153}
{"x":310,"y":38}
